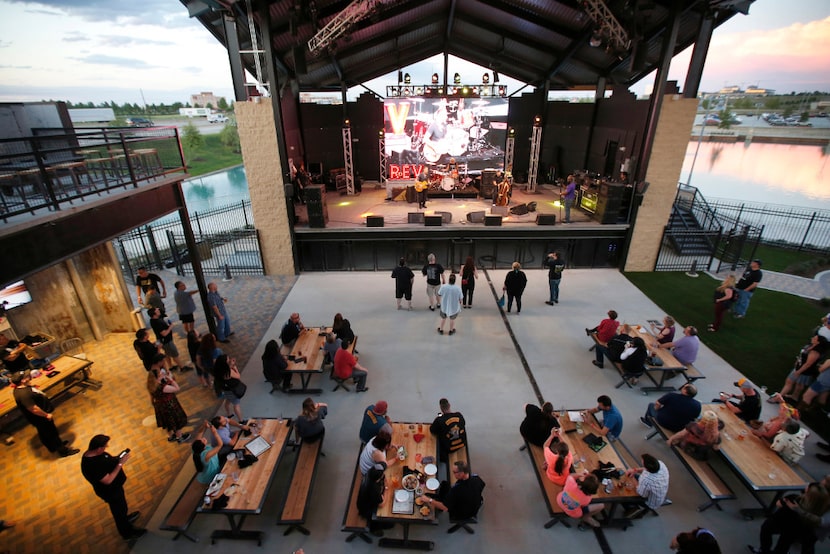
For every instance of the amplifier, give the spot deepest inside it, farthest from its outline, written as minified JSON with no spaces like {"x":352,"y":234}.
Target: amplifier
{"x":374,"y":221}
{"x":545,"y":219}
{"x":433,"y":220}
{"x":492,"y":221}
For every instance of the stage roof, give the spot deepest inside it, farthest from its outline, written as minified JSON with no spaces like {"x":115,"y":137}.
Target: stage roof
{"x":534,"y":41}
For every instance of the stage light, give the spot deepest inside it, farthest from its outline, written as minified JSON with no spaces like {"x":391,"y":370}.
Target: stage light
{"x":400,"y":77}
{"x":381,"y":134}
{"x":495,"y":76}
{"x":456,"y":79}
{"x":485,"y":90}
{"x":537,"y":121}
{"x":512,"y":132}
{"x":407,"y":79}
{"x":465,"y":91}
{"x":595,"y":40}
{"x":485,"y":78}
{"x":502,"y":91}
{"x":434,"y":78}
{"x":419,"y":91}
{"x":346,"y":123}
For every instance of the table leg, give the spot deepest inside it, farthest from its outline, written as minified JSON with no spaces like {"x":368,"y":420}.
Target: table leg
{"x":658,"y":387}
{"x":305,"y":379}
{"x":405,"y":542}
{"x":236,"y":532}
{"x":765,"y":509}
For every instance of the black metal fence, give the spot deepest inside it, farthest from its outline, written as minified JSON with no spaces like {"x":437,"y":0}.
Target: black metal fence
{"x":225,"y":238}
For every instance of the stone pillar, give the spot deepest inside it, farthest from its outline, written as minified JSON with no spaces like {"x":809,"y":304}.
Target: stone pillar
{"x":671,"y":141}
{"x":260,"y":153}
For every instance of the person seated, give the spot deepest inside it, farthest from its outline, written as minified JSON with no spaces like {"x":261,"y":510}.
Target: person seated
{"x":615,"y":346}
{"x":633,"y":359}
{"x":575,"y":498}
{"x":652,"y":483}
{"x":342,"y":328}
{"x":538,"y":423}
{"x":699,"y":438}
{"x":463,"y":499}
{"x":275,"y":366}
{"x":330,"y":347}
{"x":13,"y":354}
{"x":206,"y":459}
{"x":604,"y":332}
{"x":291,"y":330}
{"x":612,"y":422}
{"x":558,"y":458}
{"x":768,"y":429}
{"x":376,"y":451}
{"x":664,"y":333}
{"x":696,"y":541}
{"x":749,"y":406}
{"x":804,"y":372}
{"x":309,"y":424}
{"x":371,"y":496}
{"x":686,"y":347}
{"x":346,"y":366}
{"x":228,"y":438}
{"x":450,"y":428}
{"x":789,"y":442}
{"x":674,"y":410}
{"x":375,"y":418}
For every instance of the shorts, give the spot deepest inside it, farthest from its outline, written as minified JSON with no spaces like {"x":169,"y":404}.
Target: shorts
{"x":432,"y":290}
{"x":229,"y":396}
{"x":186,"y":318}
{"x":804,"y":380}
{"x":400,"y":293}
{"x":822,"y":384}
{"x":170,"y":349}
{"x":453,"y":316}
{"x":585,"y":510}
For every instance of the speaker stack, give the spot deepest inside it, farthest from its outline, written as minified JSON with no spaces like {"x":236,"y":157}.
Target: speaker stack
{"x":315,"y":200}
{"x":492,"y":221}
{"x":545,"y":219}
{"x":488,"y":183}
{"x":433,"y":220}
{"x":374,"y":221}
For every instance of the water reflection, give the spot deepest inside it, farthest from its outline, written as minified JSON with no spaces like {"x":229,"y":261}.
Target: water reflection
{"x":216,"y":189}
{"x":778,"y":174}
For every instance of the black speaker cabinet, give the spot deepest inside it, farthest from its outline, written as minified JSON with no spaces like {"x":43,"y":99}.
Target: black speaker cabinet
{"x":545,"y":219}
{"x":488,"y":190}
{"x":488,"y":177}
{"x":446,"y":217}
{"x":415,"y":217}
{"x":374,"y":221}
{"x":476,"y":217}
{"x":433,"y":220}
{"x":314,"y":194}
{"x":492,"y":221}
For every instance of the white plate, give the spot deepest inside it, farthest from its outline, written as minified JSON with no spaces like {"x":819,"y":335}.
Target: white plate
{"x":409,"y":482}
{"x":401,"y":495}
{"x":430,"y":469}
{"x":433,"y":484}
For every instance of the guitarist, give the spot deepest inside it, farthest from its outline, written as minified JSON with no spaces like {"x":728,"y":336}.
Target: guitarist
{"x":421,"y":185}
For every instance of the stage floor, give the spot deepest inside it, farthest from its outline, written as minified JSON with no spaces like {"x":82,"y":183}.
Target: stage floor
{"x":351,"y":211}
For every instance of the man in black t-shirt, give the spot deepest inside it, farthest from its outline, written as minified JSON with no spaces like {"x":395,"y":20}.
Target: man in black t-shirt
{"x":13,"y":354}
{"x":37,"y":409}
{"x":291,"y":330}
{"x":748,"y":407}
{"x":463,"y":499}
{"x":674,"y":410}
{"x":145,"y":281}
{"x":105,"y":474}
{"x":434,"y":272}
{"x":145,"y":349}
{"x":404,"y":278}
{"x":746,"y":288}
{"x":450,"y":428}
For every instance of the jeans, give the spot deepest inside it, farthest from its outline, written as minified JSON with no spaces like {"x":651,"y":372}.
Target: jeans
{"x":568,"y":204}
{"x":518,"y":298}
{"x":651,"y":411}
{"x":601,"y":351}
{"x":554,"y":289}
{"x":118,"y":508}
{"x":223,"y":328}
{"x":742,"y":305}
{"x":359,"y":377}
{"x":467,"y":293}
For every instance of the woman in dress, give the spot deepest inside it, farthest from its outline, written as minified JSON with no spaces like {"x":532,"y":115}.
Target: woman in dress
{"x":664,"y":333}
{"x":558,"y":458}
{"x":225,"y":378}
{"x":699,"y":438}
{"x":169,"y":413}
{"x":514,"y":284}
{"x":469,"y":274}
{"x":538,"y":423}
{"x":804,"y":372}
{"x":206,"y":459}
{"x":725,"y":296}
{"x":309,"y":424}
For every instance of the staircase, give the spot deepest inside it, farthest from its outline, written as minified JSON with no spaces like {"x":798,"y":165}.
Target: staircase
{"x":687,"y":236}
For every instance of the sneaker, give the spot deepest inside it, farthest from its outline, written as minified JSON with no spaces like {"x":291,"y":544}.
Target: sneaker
{"x":587,"y":332}
{"x":596,"y":363}
{"x":738,"y":316}
{"x":432,"y":308}
{"x":133,"y":516}
{"x":556,"y":301}
{"x":362,"y":390}
{"x":548,"y":302}
{"x":452,"y":331}
{"x":753,"y":549}
{"x":68,"y":451}
{"x":440,"y":331}
{"x":645,"y":422}
{"x":184,"y":437}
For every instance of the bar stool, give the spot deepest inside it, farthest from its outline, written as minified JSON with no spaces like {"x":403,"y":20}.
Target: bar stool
{"x":74,"y":170}
{"x":149,"y":161}
{"x":8,"y":184}
{"x":30,"y":177}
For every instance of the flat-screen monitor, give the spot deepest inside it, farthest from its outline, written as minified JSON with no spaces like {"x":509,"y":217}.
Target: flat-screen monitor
{"x":14,"y":295}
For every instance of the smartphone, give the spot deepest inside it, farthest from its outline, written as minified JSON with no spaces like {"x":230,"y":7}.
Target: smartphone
{"x":124,"y":453}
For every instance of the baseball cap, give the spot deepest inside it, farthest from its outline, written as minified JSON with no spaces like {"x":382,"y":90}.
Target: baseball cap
{"x":380,"y":407}
{"x":744,"y":383}
{"x":757,"y":261}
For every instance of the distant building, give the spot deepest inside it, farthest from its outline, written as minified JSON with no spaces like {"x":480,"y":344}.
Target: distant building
{"x":203,"y":99}
{"x":755,"y":90}
{"x":730,"y":90}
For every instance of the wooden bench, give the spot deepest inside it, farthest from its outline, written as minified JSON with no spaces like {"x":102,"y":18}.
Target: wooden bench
{"x":701,"y":470}
{"x":353,"y":522}
{"x":460,"y":455}
{"x":596,"y":340}
{"x":297,"y":498}
{"x":183,"y":512}
{"x":692,"y":374}
{"x":341,"y":383}
{"x":549,"y":489}
{"x":629,"y":381}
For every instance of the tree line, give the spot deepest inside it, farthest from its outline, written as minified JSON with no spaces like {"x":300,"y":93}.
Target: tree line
{"x":127,"y":108}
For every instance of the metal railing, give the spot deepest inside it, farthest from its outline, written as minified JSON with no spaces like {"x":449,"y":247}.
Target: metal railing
{"x":54,"y":168}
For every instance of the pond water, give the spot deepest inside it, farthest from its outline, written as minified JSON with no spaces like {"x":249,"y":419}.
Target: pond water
{"x":215,"y":190}
{"x":776,"y":174}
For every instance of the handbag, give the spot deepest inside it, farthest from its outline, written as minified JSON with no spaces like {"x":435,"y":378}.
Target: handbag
{"x":500,"y":301}
{"x":465,"y":282}
{"x":237,"y":387}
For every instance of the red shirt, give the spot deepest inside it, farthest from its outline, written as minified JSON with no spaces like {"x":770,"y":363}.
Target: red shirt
{"x":344,"y":362}
{"x":607,"y":329}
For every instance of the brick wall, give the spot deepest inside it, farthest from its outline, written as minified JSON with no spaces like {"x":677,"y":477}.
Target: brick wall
{"x":670,"y":143}
{"x":260,"y":154}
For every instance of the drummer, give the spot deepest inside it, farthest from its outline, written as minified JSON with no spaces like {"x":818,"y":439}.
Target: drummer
{"x":452,"y":169}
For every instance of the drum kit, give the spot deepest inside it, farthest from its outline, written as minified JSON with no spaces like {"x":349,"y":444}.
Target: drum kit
{"x":450,"y":180}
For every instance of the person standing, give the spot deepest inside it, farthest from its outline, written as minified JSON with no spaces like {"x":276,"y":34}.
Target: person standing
{"x":469,"y":274}
{"x":450,"y":428}
{"x":569,"y":196}
{"x":724,"y":298}
{"x":404,"y":279}
{"x":37,"y":409}
{"x":556,"y":264}
{"x":746,"y":288}
{"x":421,"y":186}
{"x":145,"y":281}
{"x":226,"y":378}
{"x":434,"y":272}
{"x":514,"y":284}
{"x":106,"y":475}
{"x":449,"y":296}
{"x":217,"y":304}
{"x":145,"y":349}
{"x":170,"y":415}
{"x":185,"y":306}
{"x":164,"y":334}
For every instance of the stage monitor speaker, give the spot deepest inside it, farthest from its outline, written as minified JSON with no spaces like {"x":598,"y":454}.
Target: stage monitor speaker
{"x":545,"y":219}
{"x":446,"y":217}
{"x":520,"y":209}
{"x":415,"y":217}
{"x":492,"y":221}
{"x":433,"y":220}
{"x":476,"y":217}
{"x":500,"y":210}
{"x":374,"y":221}
{"x":314,"y":194}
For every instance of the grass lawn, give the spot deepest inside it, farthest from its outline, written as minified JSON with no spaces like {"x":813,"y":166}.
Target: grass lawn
{"x":762,"y":346}
{"x":779,"y":259}
{"x":211,"y":156}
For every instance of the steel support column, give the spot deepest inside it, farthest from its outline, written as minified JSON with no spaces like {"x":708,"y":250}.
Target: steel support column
{"x":701,"y":49}
{"x":235,"y":59}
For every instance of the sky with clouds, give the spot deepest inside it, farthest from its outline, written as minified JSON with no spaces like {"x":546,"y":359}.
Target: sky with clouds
{"x":101,"y":50}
